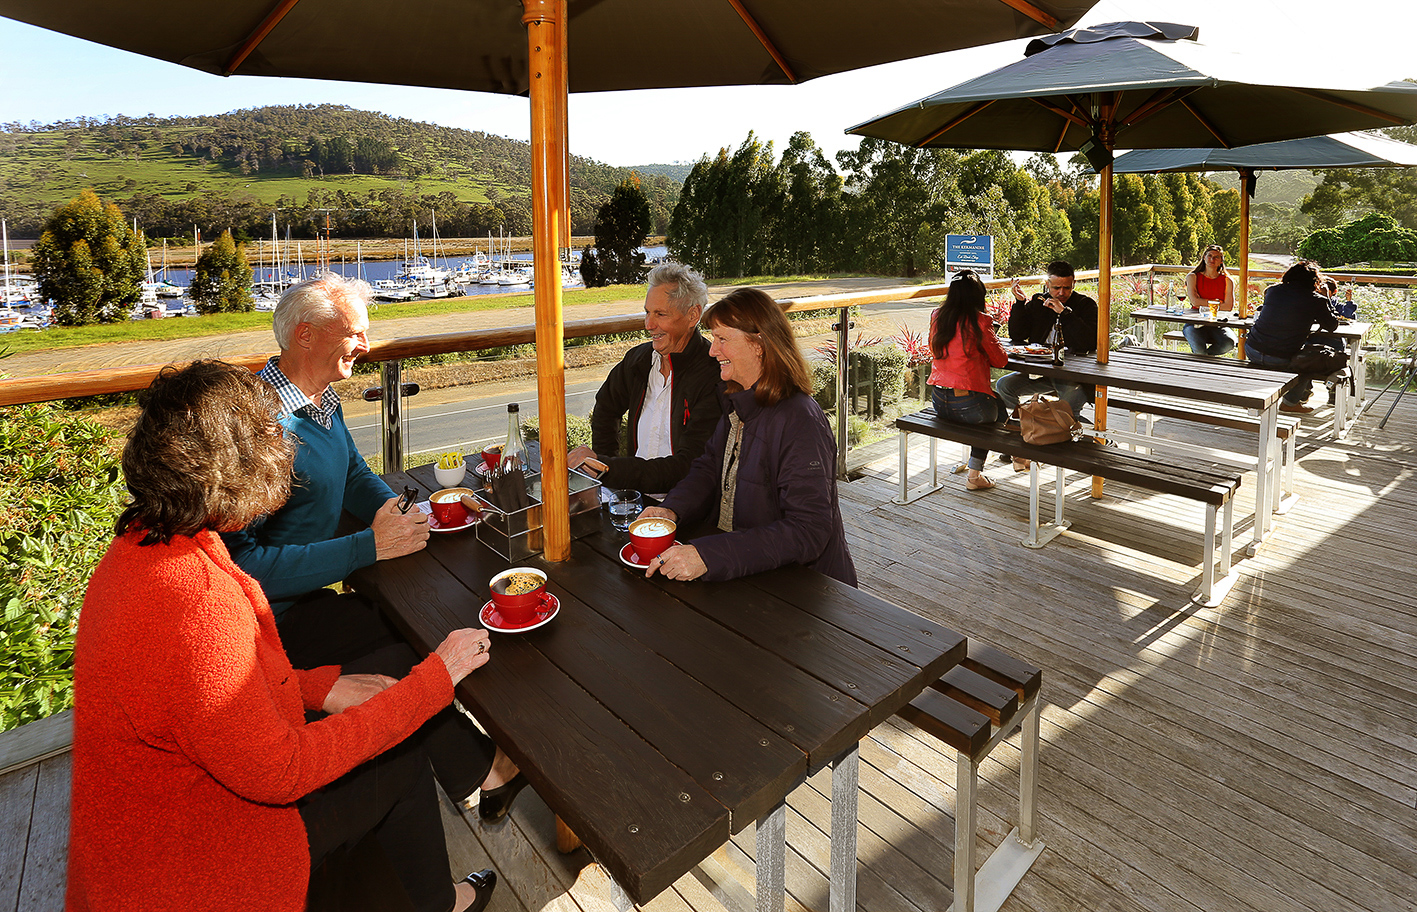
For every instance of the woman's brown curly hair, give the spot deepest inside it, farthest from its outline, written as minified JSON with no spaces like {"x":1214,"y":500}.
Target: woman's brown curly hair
{"x":206,"y":453}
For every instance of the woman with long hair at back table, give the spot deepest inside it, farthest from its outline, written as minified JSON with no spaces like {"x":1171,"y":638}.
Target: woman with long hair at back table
{"x":964,"y":347}
{"x":207,"y":772}
{"x":763,"y":494}
{"x":1210,"y":282}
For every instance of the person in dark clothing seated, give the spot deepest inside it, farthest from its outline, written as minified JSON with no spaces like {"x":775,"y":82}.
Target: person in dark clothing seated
{"x":1030,"y":322}
{"x":1291,"y":309}
{"x":765,"y":486}
{"x":669,"y":387}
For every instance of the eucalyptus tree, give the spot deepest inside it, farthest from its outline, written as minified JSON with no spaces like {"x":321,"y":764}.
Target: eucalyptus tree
{"x":221,"y":281}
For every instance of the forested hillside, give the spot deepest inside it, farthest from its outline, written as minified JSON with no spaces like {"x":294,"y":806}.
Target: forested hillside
{"x":376,"y":174}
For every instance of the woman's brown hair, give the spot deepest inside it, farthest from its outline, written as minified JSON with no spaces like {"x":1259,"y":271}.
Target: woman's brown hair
{"x":784,"y":368}
{"x":205,"y":453}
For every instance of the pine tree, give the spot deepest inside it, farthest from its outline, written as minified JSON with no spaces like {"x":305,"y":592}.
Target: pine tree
{"x":221,"y":283}
{"x":90,"y":262}
{"x":620,"y":229}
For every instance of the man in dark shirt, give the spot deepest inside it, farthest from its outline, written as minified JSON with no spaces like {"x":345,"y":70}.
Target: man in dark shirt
{"x":668,"y":386}
{"x":1031,"y":321}
{"x":1291,"y":310}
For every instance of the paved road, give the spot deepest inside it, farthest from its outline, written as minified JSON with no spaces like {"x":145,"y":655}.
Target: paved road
{"x":463,"y":424}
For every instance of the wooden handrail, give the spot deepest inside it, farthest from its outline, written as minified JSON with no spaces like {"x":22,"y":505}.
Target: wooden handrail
{"x":22,"y":390}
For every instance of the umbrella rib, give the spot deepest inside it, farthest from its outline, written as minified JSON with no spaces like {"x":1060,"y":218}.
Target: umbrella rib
{"x":1070,"y":116}
{"x":1205,"y":123}
{"x":1352,"y":106}
{"x":259,"y":35}
{"x":764,"y":40}
{"x":1034,"y":13}
{"x":954,"y":123}
{"x":1155,"y":104}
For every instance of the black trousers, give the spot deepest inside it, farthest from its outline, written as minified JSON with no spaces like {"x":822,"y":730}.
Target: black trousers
{"x":330,"y":628}
{"x":392,"y":797}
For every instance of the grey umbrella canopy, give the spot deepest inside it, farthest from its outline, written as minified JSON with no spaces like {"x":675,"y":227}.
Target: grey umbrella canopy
{"x":481,"y":45}
{"x":544,"y":48}
{"x":1313,"y":153}
{"x":1132,"y":85}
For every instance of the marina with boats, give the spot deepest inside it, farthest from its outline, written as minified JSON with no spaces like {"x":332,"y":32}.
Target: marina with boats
{"x":423,"y":272}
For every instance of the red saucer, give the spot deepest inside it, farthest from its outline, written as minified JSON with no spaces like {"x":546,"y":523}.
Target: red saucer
{"x":629,"y":558}
{"x":492,"y":619}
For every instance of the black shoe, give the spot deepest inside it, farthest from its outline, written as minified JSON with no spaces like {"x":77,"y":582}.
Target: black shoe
{"x":495,"y":803}
{"x":484,"y":881}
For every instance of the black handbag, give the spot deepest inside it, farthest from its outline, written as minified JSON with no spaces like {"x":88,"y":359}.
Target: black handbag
{"x":1319,"y":360}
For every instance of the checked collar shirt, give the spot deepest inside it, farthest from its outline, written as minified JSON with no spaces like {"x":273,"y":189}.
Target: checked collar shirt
{"x":294,"y":401}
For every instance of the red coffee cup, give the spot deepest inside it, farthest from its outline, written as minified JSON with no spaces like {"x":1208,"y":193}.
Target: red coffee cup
{"x":492,"y":455}
{"x":517,"y":608}
{"x":651,"y":535}
{"x":447,"y":506}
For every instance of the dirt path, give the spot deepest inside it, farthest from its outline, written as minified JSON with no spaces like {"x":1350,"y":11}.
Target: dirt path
{"x":124,"y":354}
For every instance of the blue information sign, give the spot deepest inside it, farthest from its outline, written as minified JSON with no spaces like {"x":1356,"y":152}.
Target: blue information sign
{"x":969,"y":251}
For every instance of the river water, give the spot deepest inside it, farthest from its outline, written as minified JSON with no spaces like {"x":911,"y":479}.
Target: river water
{"x":376,"y":270}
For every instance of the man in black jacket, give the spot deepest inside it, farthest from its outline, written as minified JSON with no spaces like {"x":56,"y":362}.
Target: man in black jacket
{"x":669,"y":386}
{"x":1030,"y":323}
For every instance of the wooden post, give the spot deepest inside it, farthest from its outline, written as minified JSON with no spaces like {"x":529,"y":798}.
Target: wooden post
{"x":1242,"y":294}
{"x":545,"y":21}
{"x":1104,"y":303}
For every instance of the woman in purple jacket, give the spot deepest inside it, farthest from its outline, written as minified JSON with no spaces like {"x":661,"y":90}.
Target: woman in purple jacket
{"x":763,"y":494}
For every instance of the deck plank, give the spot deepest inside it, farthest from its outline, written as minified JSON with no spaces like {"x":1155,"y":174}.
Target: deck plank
{"x":47,"y":854}
{"x":16,"y":808}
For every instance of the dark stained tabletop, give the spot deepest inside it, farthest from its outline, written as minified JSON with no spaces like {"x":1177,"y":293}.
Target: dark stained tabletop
{"x":1221,"y":380}
{"x":658,"y":717}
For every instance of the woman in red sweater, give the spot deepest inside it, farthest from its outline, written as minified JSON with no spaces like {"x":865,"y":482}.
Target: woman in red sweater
{"x":198,"y":782}
{"x":964,"y":346}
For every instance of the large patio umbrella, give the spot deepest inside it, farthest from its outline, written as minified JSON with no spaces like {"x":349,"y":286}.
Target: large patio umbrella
{"x":1135,"y":85}
{"x":1314,"y":153}
{"x":539,"y":47}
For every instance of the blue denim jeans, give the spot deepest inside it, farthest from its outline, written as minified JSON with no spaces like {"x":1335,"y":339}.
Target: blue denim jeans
{"x":1014,"y":387}
{"x":969,"y":408}
{"x":1208,"y":340}
{"x":1301,"y":391}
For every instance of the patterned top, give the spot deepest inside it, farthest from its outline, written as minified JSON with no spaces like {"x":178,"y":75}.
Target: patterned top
{"x":293,"y":399}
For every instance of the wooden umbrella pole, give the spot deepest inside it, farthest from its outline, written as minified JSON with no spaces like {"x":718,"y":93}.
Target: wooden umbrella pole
{"x":1242,"y":297}
{"x":1104,"y":302}
{"x":545,"y":22}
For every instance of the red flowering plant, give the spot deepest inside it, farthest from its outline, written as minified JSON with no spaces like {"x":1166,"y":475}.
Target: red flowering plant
{"x":999,"y":307}
{"x":912,"y":342}
{"x":828,"y":349}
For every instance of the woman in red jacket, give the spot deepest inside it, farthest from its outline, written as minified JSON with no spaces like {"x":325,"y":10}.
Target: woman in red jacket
{"x":198,"y":782}
{"x":964,"y":347}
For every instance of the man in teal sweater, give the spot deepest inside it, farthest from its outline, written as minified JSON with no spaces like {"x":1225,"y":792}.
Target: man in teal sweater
{"x":321,"y":326}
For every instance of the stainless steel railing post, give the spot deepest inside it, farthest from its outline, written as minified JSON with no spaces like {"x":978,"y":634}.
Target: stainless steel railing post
{"x":843,"y":416}
{"x":391,"y":383}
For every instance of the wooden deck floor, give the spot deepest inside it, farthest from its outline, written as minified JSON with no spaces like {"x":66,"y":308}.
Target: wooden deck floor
{"x":1261,"y":755}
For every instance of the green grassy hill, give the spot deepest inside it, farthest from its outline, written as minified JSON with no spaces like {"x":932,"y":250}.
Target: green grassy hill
{"x":235,"y":169}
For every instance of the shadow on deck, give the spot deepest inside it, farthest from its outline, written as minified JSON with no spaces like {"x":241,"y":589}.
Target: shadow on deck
{"x":1255,"y":757}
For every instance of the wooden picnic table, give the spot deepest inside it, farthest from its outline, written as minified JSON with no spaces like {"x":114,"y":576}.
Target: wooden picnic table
{"x":656,"y":718}
{"x":1219,"y":380}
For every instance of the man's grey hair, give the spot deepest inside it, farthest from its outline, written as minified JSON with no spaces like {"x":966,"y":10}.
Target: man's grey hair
{"x":317,"y":301}
{"x":689,"y":288}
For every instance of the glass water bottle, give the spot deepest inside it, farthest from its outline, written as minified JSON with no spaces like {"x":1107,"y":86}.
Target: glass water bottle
{"x":514,"y":450}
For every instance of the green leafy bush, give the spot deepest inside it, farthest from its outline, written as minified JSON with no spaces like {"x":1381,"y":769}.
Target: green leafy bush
{"x":59,"y":494}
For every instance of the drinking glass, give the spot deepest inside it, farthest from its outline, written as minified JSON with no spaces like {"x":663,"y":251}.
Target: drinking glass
{"x":1214,"y":308}
{"x":624,"y":506}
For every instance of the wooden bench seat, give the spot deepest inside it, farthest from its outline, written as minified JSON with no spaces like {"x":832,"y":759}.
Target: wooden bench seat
{"x":1149,"y":406}
{"x":972,"y":708}
{"x":1210,"y":484}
